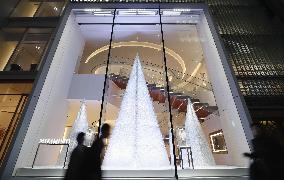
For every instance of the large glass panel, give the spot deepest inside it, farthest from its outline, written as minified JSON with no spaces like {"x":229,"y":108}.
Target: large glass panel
{"x":192,"y":99}
{"x":206,"y":136}
{"x":135,"y":103}
{"x":95,"y":55}
{"x":12,"y":100}
{"x":76,"y":109}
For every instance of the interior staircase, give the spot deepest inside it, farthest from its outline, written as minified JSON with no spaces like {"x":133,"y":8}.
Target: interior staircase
{"x":178,"y":101}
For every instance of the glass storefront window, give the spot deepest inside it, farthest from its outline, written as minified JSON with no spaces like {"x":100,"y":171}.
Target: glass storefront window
{"x":160,"y":85}
{"x":13,"y":97}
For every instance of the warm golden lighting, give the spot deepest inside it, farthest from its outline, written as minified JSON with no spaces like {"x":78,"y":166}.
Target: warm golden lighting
{"x":141,"y":44}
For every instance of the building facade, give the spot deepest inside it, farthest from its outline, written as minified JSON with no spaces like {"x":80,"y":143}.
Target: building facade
{"x":225,"y":56}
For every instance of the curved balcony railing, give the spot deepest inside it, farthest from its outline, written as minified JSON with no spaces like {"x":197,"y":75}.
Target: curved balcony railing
{"x":177,"y":77}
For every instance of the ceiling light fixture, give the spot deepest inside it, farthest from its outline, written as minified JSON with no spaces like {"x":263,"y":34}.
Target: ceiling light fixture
{"x":181,"y":10}
{"x":102,"y":13}
{"x":171,"y":13}
{"x":136,"y":12}
{"x":92,"y":10}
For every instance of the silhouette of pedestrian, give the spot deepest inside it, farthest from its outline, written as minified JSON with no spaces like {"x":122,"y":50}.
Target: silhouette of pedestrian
{"x":94,"y":156}
{"x":267,"y":156}
{"x":74,"y":171}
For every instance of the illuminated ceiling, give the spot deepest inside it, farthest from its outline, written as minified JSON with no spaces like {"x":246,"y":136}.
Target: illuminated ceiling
{"x":183,"y":47}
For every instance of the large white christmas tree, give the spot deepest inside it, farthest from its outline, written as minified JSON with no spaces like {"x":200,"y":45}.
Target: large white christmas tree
{"x":195,"y":138}
{"x":136,"y":141}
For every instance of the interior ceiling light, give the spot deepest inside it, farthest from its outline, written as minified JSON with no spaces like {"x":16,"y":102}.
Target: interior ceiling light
{"x":92,"y":10}
{"x":99,"y":12}
{"x":137,"y":12}
{"x":125,"y":12}
{"x":171,"y":13}
{"x":181,"y":10}
{"x":102,"y":13}
{"x":146,"y":12}
{"x":141,"y":44}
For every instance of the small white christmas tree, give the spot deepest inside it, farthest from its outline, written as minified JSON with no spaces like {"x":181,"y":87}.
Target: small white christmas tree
{"x":201,"y":153}
{"x":79,"y":125}
{"x":136,"y":141}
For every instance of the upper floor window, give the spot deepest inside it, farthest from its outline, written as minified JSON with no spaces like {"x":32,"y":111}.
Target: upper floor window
{"x":31,"y":8}
{"x":23,"y":48}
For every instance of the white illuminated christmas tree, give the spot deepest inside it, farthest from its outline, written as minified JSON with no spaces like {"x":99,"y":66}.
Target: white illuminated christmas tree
{"x":79,"y":125}
{"x":136,"y":141}
{"x":195,"y":138}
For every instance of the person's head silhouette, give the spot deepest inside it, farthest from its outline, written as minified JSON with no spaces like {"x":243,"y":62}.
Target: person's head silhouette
{"x":80,"y":138}
{"x":105,"y":130}
{"x":256,"y":129}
